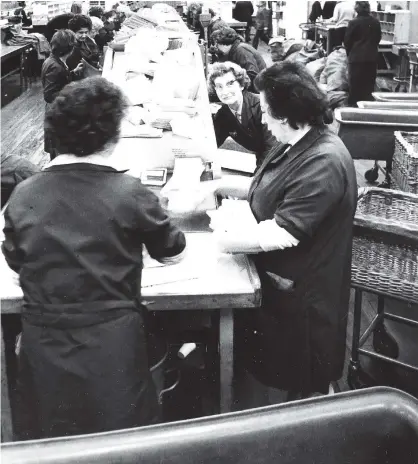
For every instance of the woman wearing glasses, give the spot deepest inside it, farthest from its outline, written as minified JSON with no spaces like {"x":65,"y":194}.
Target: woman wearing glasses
{"x":303,"y":198}
{"x":239,"y":116}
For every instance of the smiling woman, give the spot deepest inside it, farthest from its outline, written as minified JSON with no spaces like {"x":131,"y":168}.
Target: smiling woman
{"x":240,"y":115}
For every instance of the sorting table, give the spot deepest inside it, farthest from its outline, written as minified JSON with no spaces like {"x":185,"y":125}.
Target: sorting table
{"x":10,"y":51}
{"x":214,"y":282}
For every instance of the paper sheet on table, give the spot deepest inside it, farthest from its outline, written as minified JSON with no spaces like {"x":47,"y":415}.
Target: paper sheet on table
{"x":233,"y":215}
{"x":237,"y":160}
{"x":155,"y":273}
{"x":187,"y":171}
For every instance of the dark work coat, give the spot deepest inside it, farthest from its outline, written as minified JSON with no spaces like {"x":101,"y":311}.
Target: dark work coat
{"x":248,"y":58}
{"x":75,"y":235}
{"x":362,"y":39}
{"x":54,"y":76}
{"x":296,"y":341}
{"x":87,"y":49}
{"x":251,"y":133}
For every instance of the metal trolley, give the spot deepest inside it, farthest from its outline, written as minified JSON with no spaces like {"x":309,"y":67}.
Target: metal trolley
{"x":385,"y":262}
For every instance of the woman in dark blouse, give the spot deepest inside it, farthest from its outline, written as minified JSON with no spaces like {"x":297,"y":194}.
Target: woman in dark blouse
{"x":85,"y":47}
{"x":303,"y":198}
{"x":240,"y":115}
{"x":75,"y":234}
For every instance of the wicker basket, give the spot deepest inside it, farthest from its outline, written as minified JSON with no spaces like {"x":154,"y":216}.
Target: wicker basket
{"x":385,"y":244}
{"x":405,"y":162}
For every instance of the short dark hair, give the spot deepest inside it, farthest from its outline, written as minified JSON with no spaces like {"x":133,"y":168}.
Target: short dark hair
{"x":362,"y":7}
{"x":21,"y":4}
{"x":78,"y":22}
{"x":63,"y":42}
{"x":225,"y":36}
{"x":291,"y":92}
{"x":86,"y":115}
{"x":96,"y":11}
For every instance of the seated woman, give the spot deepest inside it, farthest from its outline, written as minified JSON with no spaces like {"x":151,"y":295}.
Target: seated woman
{"x":85,"y":47}
{"x":55,"y":75}
{"x":240,"y":114}
{"x":75,"y":234}
{"x":303,"y":198}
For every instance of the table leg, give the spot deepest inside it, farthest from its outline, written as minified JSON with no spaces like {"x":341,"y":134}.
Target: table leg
{"x":6,"y":411}
{"x":226,"y":355}
{"x":22,"y":64}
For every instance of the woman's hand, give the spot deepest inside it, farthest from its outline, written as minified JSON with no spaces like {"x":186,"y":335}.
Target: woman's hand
{"x":79,"y":69}
{"x":184,"y":201}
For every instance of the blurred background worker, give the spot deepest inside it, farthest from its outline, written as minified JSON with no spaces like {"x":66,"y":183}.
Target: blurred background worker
{"x":261,"y":24}
{"x":230,"y":47}
{"x":362,"y":42}
{"x":243,"y":11}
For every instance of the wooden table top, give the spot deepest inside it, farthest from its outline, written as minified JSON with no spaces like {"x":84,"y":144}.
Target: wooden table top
{"x":7,"y":51}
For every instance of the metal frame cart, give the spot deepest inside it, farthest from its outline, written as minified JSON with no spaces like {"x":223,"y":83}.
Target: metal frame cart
{"x":385,"y":262}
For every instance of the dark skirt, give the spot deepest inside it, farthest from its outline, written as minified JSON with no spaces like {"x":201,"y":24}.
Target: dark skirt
{"x":88,"y":379}
{"x":275,"y":343}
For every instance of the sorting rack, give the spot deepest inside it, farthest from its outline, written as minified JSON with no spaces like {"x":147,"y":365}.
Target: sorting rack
{"x":385,"y":262}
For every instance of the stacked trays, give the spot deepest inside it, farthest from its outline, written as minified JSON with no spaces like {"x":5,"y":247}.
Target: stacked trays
{"x":385,"y":244}
{"x":405,"y":162}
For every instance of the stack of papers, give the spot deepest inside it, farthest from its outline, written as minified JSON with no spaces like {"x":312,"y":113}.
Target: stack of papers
{"x":233,"y":215}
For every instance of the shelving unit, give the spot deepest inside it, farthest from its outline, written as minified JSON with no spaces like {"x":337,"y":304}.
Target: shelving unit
{"x":395,"y":24}
{"x":43,"y":11}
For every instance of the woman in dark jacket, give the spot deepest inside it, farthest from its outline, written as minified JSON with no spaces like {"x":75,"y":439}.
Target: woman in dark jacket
{"x":231,"y":48}
{"x":362,"y":43}
{"x":303,"y":199}
{"x":85,"y":47}
{"x":75,"y":234}
{"x":240,"y":115}
{"x":55,"y":75}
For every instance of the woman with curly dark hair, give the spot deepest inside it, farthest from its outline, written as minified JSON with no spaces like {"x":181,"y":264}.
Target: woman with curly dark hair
{"x":75,"y":234}
{"x":85,"y":47}
{"x":240,"y":115}
{"x":303,"y":199}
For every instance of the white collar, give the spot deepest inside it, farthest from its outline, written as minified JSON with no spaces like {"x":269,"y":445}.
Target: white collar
{"x":299,"y":135}
{"x":239,"y":110}
{"x":72,"y":159}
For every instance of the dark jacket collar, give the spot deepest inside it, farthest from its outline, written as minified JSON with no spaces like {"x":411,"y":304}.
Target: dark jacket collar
{"x":300,"y":146}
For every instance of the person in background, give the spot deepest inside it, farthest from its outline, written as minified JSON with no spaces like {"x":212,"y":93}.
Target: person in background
{"x":26,"y":21}
{"x":57,"y":23}
{"x":281,"y":48}
{"x":85,"y":47}
{"x":240,"y":115}
{"x":343,"y":14}
{"x":261,"y":24}
{"x":230,"y":47}
{"x":362,"y":42}
{"x":243,"y":11}
{"x":83,"y":358}
{"x":316,"y":12}
{"x":55,"y":75}
{"x":303,"y":198}
{"x":76,"y":8}
{"x":328,"y":10}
